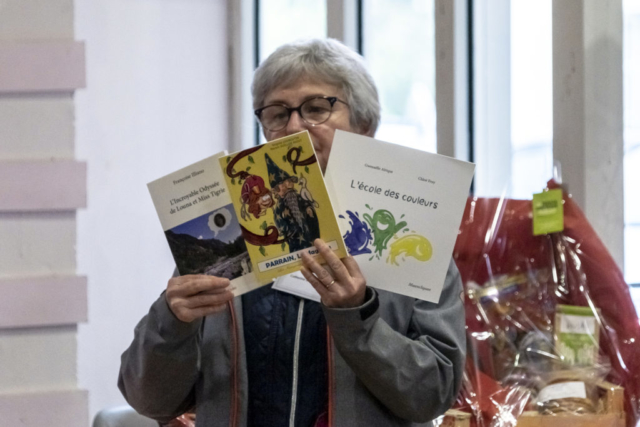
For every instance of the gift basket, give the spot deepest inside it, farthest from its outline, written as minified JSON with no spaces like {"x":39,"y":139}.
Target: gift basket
{"x":553,"y":336}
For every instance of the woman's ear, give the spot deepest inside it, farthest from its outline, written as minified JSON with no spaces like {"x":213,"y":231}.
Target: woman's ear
{"x":366,"y":130}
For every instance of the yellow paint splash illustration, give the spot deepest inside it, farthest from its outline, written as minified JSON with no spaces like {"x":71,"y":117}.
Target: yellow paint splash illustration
{"x":413,"y":245}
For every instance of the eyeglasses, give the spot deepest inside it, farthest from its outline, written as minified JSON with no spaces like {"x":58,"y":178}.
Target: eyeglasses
{"x":313,"y":111}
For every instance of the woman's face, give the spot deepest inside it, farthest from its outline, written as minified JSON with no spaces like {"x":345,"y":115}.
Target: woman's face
{"x":322,"y":134}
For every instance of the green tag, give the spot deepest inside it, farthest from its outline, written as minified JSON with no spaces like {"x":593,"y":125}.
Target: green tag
{"x":548,"y":213}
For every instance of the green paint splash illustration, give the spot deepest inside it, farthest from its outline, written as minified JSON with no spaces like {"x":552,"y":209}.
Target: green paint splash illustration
{"x":413,"y":245}
{"x":383,"y":225}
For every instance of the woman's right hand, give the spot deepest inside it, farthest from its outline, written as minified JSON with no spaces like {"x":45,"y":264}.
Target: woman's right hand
{"x":191,"y":297}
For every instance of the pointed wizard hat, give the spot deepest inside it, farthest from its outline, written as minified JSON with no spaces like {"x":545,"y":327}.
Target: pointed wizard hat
{"x":277,"y":175}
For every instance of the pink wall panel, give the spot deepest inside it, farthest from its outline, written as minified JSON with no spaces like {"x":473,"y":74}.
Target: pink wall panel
{"x":42,"y":301}
{"x":50,"y":66}
{"x":42,"y":185}
{"x":54,"y":409}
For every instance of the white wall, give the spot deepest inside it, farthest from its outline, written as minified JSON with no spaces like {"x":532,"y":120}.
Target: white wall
{"x":37,"y":239}
{"x":156,"y":100}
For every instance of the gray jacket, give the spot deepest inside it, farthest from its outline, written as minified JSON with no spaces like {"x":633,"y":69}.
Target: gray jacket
{"x":401,"y":366}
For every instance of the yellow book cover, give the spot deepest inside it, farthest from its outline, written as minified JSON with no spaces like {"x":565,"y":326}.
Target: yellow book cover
{"x":282,"y":205}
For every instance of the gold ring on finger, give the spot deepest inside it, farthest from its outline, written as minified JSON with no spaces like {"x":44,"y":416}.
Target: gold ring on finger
{"x":330,"y":284}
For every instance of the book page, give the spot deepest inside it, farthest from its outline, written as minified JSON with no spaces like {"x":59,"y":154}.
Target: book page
{"x":201,"y":227}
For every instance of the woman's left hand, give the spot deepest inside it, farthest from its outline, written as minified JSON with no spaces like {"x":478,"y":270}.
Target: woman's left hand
{"x":339,"y":282}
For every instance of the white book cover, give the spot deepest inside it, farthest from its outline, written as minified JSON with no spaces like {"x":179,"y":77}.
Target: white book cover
{"x":399,"y":210}
{"x":296,"y":284}
{"x":200,"y":224}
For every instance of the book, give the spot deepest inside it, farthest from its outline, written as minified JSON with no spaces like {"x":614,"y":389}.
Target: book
{"x":399,"y":209}
{"x":282,"y":205}
{"x":200,"y":224}
{"x":297,"y":285}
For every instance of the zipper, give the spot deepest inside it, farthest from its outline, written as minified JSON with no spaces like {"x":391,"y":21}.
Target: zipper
{"x":233,"y":419}
{"x":330,"y":384}
{"x":296,"y":353}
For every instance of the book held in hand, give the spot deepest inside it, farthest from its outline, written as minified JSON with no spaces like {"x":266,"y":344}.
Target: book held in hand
{"x":400,"y":211}
{"x":200,"y":224}
{"x":281,"y":203}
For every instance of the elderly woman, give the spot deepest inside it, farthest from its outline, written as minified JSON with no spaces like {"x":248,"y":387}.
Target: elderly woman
{"x":360,"y":358}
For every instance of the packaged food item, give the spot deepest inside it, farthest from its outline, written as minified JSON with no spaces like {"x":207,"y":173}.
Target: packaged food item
{"x":573,"y":391}
{"x":577,"y":335}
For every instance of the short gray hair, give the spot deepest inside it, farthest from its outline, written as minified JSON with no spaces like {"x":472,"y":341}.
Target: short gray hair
{"x":330,"y":62}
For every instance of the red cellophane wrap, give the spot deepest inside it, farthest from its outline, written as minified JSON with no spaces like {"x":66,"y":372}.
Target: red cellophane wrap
{"x":514,"y":282}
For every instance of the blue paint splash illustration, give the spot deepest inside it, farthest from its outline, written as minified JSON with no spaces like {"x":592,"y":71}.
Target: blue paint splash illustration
{"x":358,"y":238}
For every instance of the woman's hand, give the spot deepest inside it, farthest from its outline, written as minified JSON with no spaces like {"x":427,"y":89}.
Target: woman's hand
{"x":339,"y":283}
{"x":191,"y":297}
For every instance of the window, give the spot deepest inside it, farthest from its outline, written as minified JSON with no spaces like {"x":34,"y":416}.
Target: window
{"x":513,"y":97}
{"x":283,"y":21}
{"x":531,"y":97}
{"x":399,"y":47}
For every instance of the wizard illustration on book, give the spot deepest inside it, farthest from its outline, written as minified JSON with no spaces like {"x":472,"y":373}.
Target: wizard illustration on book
{"x":282,"y":203}
{"x":295,"y":216}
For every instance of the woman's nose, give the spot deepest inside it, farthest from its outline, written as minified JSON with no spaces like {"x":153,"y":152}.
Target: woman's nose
{"x":296,"y":124}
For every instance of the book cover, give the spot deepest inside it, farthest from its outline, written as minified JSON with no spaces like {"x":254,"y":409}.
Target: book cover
{"x":282,"y":205}
{"x":201,"y":227}
{"x":399,"y":210}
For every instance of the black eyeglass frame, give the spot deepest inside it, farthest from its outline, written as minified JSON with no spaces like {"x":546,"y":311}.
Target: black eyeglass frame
{"x":332,"y":100}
